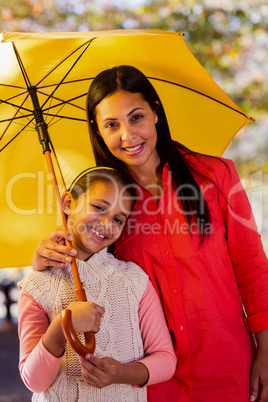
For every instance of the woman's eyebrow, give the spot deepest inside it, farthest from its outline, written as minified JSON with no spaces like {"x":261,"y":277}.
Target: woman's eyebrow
{"x":134,"y":110}
{"x":130,"y":113}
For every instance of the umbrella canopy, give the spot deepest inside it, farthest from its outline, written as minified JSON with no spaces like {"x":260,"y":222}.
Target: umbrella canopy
{"x":44,"y":78}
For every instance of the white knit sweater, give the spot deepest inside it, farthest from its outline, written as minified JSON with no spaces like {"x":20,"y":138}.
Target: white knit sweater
{"x":116,"y":285}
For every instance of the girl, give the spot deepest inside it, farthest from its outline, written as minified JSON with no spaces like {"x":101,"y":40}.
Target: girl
{"x":193,"y":233}
{"x":123,"y":308}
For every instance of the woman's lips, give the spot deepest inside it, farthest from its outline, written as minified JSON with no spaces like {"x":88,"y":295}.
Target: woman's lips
{"x":135,"y":150}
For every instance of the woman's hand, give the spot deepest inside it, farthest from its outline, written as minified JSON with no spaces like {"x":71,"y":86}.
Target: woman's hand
{"x":101,"y":372}
{"x":86,"y":316}
{"x":259,"y":371}
{"x":53,"y":252}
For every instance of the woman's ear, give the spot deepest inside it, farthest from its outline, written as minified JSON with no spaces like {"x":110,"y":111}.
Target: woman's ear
{"x":66,"y":203}
{"x":95,"y":127}
{"x":156,"y":110}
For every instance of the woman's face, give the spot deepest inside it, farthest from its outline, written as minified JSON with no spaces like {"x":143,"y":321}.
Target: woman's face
{"x":126,"y":123}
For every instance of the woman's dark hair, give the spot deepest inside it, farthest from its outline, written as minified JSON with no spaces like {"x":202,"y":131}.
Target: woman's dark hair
{"x":130,"y":79}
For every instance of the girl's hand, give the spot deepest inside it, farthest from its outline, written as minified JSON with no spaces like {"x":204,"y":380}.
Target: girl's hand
{"x":53,"y":252}
{"x":86,"y":316}
{"x":100,"y":372}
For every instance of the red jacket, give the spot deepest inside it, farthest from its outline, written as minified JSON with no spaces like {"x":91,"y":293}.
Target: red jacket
{"x":200,"y":286}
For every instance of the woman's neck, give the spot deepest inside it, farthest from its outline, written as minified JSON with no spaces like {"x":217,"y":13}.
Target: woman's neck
{"x":149,"y":178}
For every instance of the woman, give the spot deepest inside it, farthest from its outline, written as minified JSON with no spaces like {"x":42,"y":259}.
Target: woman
{"x":193,"y":233}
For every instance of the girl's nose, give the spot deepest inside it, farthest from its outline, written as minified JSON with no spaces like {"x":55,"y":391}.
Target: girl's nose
{"x":105,"y":221}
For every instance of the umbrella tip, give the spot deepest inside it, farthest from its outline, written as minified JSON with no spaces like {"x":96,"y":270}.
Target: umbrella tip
{"x":251,"y":118}
{"x":181,"y":33}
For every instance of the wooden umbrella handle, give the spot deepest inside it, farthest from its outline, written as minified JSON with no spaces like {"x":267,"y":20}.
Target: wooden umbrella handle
{"x":72,"y":338}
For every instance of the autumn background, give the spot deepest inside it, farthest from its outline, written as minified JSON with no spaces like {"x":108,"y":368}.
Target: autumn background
{"x":228,"y":37}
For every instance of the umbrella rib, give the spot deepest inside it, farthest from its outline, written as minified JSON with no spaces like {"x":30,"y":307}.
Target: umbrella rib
{"x":62,"y":102}
{"x":68,"y":72}
{"x":201,"y":93}
{"x":63,"y":117}
{"x":66,"y":82}
{"x":87,"y":43}
{"x":23,"y":71}
{"x":15,"y":106}
{"x":19,"y":107}
{"x":15,"y":117}
{"x":12,"y":139}
{"x":11,"y":86}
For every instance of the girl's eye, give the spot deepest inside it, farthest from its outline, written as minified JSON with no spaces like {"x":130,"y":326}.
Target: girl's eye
{"x":99,"y":208}
{"x":118,"y":221}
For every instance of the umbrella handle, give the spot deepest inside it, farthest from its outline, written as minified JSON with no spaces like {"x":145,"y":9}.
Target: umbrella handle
{"x":72,"y":338}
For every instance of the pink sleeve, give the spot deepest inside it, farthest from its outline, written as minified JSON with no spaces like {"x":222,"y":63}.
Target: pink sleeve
{"x":160,"y":358}
{"x":38,"y":368}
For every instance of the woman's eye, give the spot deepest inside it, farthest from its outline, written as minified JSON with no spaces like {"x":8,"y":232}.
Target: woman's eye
{"x":137,"y":117}
{"x":111,"y":125}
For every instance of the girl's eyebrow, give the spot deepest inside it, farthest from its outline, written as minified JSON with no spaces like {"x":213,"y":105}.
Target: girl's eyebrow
{"x":114,"y":118}
{"x":108,"y":204}
{"x":100,"y":200}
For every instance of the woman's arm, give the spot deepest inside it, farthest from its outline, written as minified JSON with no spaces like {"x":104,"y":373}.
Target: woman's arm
{"x":251,"y":270}
{"x":246,"y":251}
{"x":159,"y":363}
{"x":52,"y":252}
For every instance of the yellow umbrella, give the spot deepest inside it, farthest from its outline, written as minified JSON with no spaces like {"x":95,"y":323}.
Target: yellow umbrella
{"x":44,"y":78}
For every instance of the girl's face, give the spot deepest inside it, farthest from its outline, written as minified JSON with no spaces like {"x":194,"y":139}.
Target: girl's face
{"x":96,"y":219}
{"x":126,"y":123}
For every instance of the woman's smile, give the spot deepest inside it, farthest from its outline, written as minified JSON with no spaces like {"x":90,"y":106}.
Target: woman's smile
{"x":134,"y":150}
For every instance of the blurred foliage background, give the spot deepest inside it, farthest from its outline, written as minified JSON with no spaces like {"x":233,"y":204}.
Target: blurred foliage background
{"x":228,"y":37}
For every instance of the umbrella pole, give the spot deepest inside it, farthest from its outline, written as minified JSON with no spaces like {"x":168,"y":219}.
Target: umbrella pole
{"x":41,"y":128}
{"x":79,"y":291}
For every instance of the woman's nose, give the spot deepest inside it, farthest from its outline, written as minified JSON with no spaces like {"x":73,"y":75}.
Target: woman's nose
{"x":126,"y":133}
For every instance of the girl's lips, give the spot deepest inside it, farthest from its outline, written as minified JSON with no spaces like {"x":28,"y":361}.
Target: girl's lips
{"x":134,"y":150}
{"x":96,"y":234}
